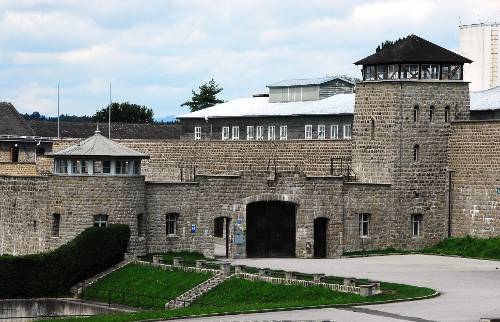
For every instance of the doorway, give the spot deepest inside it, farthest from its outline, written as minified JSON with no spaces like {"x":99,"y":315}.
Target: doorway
{"x":320,"y":229}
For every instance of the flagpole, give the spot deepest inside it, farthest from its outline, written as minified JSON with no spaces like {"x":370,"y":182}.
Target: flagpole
{"x":58,"y":114}
{"x":109,"y":112}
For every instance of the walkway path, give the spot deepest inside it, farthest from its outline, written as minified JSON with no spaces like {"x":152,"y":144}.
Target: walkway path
{"x":471,"y":288}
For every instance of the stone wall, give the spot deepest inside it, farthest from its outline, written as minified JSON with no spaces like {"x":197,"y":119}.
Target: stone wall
{"x":18,"y":168}
{"x":475,"y":162}
{"x":22,"y":214}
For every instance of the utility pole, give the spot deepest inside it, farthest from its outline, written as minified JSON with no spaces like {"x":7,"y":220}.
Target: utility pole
{"x":109,"y":112}
{"x":58,"y":114}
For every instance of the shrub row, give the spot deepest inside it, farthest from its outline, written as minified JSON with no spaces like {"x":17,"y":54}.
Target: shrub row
{"x":55,"y":272}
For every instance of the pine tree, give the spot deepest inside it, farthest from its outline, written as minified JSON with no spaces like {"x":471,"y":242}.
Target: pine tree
{"x":205,"y":98}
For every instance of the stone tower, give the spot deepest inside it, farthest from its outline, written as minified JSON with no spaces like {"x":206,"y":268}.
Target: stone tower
{"x":410,"y":93}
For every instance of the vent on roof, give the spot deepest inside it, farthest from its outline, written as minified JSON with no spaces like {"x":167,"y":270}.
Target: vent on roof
{"x":261,"y":95}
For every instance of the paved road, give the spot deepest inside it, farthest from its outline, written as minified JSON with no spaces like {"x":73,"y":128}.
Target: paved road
{"x":471,"y":288}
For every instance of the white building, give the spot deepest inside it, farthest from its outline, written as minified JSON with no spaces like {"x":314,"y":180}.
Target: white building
{"x":480,"y":43}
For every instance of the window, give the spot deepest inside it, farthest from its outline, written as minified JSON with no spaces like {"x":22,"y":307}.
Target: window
{"x":140,"y":225}
{"x":61,"y":166}
{"x":121,"y":167}
{"x":372,"y":129}
{"x":409,"y":71}
{"x":260,"y":133}
{"x":321,"y":132}
{"x":334,"y":131}
{"x":382,"y":72}
{"x":100,"y":220}
{"x":56,"y":222}
{"x":416,"y":113}
{"x":197,"y":132}
{"x":347,"y":131}
{"x":447,"y":114}
{"x":416,"y":152}
{"x":40,"y":151}
{"x":283,"y":132}
{"x":416,"y":224}
{"x":14,"y":153}
{"x":137,"y":167}
{"x":393,"y":72}
{"x":364,"y":225}
{"x":453,"y":72}
{"x":250,"y":134}
{"x":430,"y":71}
{"x":74,"y":166}
{"x":369,"y":73}
{"x":236,"y":132}
{"x":270,"y":133}
{"x":225,"y":132}
{"x":308,"y":134}
{"x":171,"y":223}
{"x":83,"y":166}
{"x":106,"y":166}
{"x":431,"y":113}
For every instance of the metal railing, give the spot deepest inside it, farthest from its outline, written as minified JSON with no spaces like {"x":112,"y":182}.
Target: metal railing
{"x":121,"y":297}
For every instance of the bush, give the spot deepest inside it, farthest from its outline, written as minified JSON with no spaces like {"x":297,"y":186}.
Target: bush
{"x":54,"y":273}
{"x":488,"y":248}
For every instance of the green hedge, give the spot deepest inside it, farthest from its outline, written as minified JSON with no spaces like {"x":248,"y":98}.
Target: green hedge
{"x":54,"y":273}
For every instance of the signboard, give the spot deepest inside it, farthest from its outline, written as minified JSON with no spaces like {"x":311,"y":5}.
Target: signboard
{"x":193,"y":228}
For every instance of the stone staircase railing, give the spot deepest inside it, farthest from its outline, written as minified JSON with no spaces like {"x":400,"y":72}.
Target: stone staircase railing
{"x":188,"y":297}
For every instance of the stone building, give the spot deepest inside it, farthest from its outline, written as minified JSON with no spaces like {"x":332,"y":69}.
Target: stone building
{"x":415,"y":170}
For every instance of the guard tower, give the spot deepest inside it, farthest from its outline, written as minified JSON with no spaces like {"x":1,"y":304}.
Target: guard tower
{"x":410,"y":93}
{"x":97,"y":155}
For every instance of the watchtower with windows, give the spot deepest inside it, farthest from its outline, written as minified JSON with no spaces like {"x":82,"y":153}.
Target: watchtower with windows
{"x":410,"y":93}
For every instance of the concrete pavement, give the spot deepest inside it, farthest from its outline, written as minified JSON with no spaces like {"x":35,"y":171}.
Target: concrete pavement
{"x":470,"y":288}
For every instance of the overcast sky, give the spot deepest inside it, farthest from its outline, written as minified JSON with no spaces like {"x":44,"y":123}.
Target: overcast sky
{"x":155,"y":52}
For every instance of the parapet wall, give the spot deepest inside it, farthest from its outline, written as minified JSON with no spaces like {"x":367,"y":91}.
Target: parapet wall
{"x":18,"y":168}
{"x":475,"y":159}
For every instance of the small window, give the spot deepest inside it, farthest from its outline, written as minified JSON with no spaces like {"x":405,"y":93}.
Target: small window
{"x":61,"y":166}
{"x":101,"y":220}
{"x":453,"y":72}
{"x":250,"y":134}
{"x":430,"y":71}
{"x":137,"y":167}
{"x":225,"y":132}
{"x":416,"y":152}
{"x":364,"y":225}
{"x":74,"y":166}
{"x":416,"y":224}
{"x":106,"y":166}
{"x":271,"y":135}
{"x":260,"y":133}
{"x":140,"y":225}
{"x":447,"y":114}
{"x":171,"y":223}
{"x":283,"y":132}
{"x":321,"y":132}
{"x":393,"y":72}
{"x":121,"y":167}
{"x":416,"y":113}
{"x":308,"y":134}
{"x":83,"y":166}
{"x":372,"y":129}
{"x":409,"y":71}
{"x":369,"y":73}
{"x":431,"y":113}
{"x":334,"y":131}
{"x":197,"y":132}
{"x":347,"y":131}
{"x":382,"y":72}
{"x":56,"y":223}
{"x":235,"y":132}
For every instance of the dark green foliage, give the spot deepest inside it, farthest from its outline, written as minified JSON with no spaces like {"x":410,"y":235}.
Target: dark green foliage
{"x":54,"y":273}
{"x":386,"y":43}
{"x":205,"y":98}
{"x":133,"y":280}
{"x":384,"y":251}
{"x":467,"y":247}
{"x":125,"y":112}
{"x":36,"y":116}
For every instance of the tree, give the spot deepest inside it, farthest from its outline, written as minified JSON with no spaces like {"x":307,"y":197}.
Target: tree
{"x":205,"y":98}
{"x":125,"y":112}
{"x":385,"y":44}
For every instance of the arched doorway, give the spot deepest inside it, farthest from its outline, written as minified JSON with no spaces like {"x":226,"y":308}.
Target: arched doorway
{"x":221,"y":234}
{"x":320,"y":229}
{"x":270,"y":230}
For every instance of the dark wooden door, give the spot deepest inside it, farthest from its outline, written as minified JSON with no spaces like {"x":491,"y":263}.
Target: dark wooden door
{"x":320,"y":227}
{"x":270,"y":229}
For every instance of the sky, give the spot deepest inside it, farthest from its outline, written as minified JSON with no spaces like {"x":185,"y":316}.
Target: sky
{"x":155,"y":52}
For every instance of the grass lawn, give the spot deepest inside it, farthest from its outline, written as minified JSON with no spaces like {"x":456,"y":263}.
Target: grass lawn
{"x":239,"y":295}
{"x":136,"y":284}
{"x":385,"y":251}
{"x":486,"y":248}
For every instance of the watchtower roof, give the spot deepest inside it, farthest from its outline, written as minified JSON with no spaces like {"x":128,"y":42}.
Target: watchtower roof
{"x":98,"y":146}
{"x":413,"y":49}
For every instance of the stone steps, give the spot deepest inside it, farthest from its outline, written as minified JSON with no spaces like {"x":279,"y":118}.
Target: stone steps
{"x":188,"y":297}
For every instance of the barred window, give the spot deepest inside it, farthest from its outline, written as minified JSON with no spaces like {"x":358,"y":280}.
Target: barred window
{"x":321,"y":132}
{"x":364,"y":225}
{"x":101,"y":220}
{"x":416,"y":224}
{"x":197,"y":132}
{"x":334,"y":131}
{"x":283,"y":132}
{"x":171,"y":224}
{"x":270,"y":133}
{"x":250,"y":132}
{"x":236,"y":132}
{"x":347,"y":131}
{"x":260,"y":133}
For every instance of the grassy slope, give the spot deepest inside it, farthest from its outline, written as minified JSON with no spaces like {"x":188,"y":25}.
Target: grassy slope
{"x":467,"y":247}
{"x":236,"y":295}
{"x":151,"y":281}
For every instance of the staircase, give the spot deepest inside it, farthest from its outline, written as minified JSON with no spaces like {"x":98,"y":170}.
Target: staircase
{"x":188,"y":297}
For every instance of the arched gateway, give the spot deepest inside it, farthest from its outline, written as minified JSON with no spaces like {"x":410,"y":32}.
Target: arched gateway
{"x":270,"y":230}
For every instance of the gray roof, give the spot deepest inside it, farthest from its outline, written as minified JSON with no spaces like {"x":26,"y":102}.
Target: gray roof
{"x":12,"y":123}
{"x":307,"y":81}
{"x":98,"y":146}
{"x":485,"y":100}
